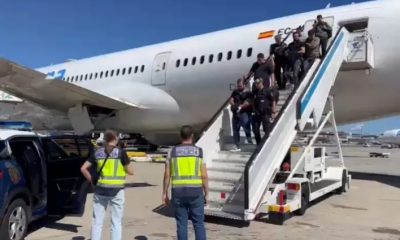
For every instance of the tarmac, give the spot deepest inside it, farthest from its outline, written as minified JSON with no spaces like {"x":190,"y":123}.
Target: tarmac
{"x":370,"y":210}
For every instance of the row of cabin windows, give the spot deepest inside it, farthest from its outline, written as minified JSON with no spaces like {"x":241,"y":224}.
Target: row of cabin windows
{"x":105,"y":74}
{"x":220,"y":56}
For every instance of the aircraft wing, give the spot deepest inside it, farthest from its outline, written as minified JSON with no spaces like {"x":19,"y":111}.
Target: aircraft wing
{"x":32,"y":85}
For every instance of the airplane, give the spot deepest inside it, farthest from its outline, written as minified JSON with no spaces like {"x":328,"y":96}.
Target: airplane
{"x":391,"y":137}
{"x":153,"y":90}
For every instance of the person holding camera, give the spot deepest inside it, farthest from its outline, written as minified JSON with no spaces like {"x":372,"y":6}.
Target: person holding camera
{"x":111,"y":167}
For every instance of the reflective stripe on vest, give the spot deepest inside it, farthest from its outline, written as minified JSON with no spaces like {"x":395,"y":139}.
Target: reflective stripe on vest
{"x":186,"y":170}
{"x":113,"y":174}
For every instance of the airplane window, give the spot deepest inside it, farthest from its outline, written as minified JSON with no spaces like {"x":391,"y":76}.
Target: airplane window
{"x":130,"y":70}
{"x":67,"y":79}
{"x":86,"y":76}
{"x":112,"y":73}
{"x":91,"y":76}
{"x":178,"y":62}
{"x":185,"y":62}
{"x":106,"y":75}
{"x":81,"y":78}
{"x":63,"y":79}
{"x":239,"y":53}
{"x":142,"y":69}
{"x":95,"y":76}
{"x":193,"y":60}
{"x":220,"y":57}
{"x":136,"y":69}
{"x":101,"y":74}
{"x":210,"y":58}
{"x":229,"y":55}
{"x":117,"y":72}
{"x":249,"y":52}
{"x":202,"y":59}
{"x":123,"y":71}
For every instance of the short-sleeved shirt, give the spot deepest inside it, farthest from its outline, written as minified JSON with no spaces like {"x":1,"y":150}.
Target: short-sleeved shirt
{"x":278,"y":51}
{"x":263,"y":100}
{"x":294,"y":48}
{"x":109,"y":191}
{"x":312,"y":47}
{"x":264,"y":70}
{"x":186,"y":191}
{"x":240,"y":97}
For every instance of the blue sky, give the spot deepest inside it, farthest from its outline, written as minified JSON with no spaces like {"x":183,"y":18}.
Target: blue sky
{"x":40,"y":33}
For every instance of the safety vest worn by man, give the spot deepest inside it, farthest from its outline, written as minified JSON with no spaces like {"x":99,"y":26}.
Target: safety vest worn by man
{"x":186,"y":161}
{"x":113,"y":173}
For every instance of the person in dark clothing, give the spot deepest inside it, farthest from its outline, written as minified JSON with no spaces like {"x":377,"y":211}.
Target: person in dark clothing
{"x":312,"y":50}
{"x":241,"y":113}
{"x":323,"y":31}
{"x":295,"y":54}
{"x":277,"y":52}
{"x":263,"y":68}
{"x":264,"y":108}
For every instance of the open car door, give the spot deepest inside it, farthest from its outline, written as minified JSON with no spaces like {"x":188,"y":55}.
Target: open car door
{"x":67,"y":188}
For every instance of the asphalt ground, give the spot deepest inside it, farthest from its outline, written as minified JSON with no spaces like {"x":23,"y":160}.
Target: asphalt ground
{"x":370,"y":210}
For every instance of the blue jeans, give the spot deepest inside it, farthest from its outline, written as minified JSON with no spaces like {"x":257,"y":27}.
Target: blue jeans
{"x":117,"y":209}
{"x":241,"y":120}
{"x":189,"y":208}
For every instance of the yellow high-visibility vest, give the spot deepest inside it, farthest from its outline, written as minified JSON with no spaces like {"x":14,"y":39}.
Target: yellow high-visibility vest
{"x":186,"y":161}
{"x":113,"y":174}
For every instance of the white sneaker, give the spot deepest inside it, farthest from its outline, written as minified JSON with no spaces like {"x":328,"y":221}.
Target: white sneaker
{"x":235,"y":149}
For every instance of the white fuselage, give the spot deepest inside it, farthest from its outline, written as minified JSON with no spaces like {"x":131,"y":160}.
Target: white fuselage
{"x":200,"y":89}
{"x":391,"y":137}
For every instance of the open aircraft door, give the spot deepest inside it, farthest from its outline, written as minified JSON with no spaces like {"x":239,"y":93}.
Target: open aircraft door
{"x":159,"y":69}
{"x":309,"y":24}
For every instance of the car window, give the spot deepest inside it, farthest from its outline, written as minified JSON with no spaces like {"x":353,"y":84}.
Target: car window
{"x":58,"y":149}
{"x":84,"y":147}
{"x":4,"y":151}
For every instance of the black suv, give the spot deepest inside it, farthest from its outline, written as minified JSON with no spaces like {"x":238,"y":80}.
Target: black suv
{"x":39,"y":175}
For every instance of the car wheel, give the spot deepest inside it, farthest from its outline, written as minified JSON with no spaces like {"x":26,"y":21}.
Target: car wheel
{"x":305,"y":195}
{"x":15,"y":222}
{"x":345,"y":184}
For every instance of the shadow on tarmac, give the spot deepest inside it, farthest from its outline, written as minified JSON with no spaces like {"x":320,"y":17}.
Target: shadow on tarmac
{"x":165,"y":210}
{"x":51,"y":222}
{"x":130,"y":185}
{"x":390,"y":180}
{"x":168,"y":211}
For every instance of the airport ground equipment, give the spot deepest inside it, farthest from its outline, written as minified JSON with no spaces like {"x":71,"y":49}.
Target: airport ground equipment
{"x":243,"y":185}
{"x":379,"y":154}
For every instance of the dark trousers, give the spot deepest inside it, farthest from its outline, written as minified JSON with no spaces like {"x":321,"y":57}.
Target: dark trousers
{"x":280,"y":78}
{"x":297,"y":68}
{"x":307,"y":65}
{"x":324,"y":46}
{"x":189,"y":208}
{"x":259,"y":120}
{"x":241,"y":120}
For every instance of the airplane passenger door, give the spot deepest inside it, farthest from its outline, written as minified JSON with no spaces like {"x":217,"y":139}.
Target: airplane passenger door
{"x":310,"y":23}
{"x":159,"y":69}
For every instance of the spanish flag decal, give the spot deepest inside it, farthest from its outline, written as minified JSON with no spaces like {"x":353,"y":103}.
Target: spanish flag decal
{"x":265,"y":35}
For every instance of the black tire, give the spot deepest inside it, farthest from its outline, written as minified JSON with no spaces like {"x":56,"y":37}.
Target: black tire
{"x":305,"y":199}
{"x":343,"y":188}
{"x":19,"y":210}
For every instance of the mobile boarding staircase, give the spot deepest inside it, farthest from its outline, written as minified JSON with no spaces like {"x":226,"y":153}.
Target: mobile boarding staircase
{"x":241,"y":184}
